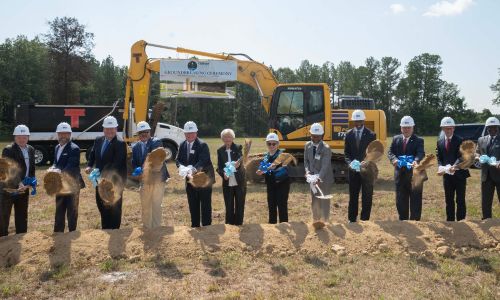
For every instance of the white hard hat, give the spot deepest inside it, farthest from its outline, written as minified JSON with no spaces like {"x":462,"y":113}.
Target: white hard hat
{"x":316,"y":129}
{"x":407,"y":121}
{"x":143,"y":126}
{"x":447,"y":122}
{"x":63,"y":127}
{"x":190,"y":126}
{"x":21,"y":130}
{"x":272,"y":137}
{"x":358,"y":115}
{"x":110,"y":122}
{"x":492,"y":121}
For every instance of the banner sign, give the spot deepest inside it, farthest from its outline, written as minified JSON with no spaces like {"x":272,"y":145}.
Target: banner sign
{"x":180,"y":70}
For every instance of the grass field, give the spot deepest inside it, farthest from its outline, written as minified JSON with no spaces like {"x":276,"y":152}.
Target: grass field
{"x":233,"y":274}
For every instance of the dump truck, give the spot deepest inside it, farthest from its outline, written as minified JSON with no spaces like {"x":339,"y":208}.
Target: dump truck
{"x":86,"y":124}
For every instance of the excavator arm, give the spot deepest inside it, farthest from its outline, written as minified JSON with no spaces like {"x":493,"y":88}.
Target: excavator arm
{"x":254,"y":74}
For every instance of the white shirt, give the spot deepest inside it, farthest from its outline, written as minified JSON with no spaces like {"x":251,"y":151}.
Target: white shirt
{"x":59,"y":152}
{"x":189,"y":148}
{"x":26,"y":155}
{"x":232,"y":178}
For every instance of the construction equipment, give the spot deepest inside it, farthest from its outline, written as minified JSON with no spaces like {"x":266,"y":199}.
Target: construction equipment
{"x":291,"y":108}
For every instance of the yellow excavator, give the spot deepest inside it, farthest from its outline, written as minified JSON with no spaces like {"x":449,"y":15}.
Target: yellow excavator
{"x":291,"y":108}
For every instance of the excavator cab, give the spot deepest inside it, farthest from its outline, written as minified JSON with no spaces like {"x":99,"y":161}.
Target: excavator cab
{"x":295,"y":107}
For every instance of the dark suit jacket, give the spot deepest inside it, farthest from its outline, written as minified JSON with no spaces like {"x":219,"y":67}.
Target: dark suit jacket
{"x":351,"y":151}
{"x":493,"y":150}
{"x":452,"y":156}
{"x":69,"y":161}
{"x":415,"y":147}
{"x":199,"y":158}
{"x":13,"y":152}
{"x":114,"y":157}
{"x":236,"y":153}
{"x":138,"y":159}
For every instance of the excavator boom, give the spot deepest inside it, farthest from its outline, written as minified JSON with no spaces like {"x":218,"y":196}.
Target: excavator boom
{"x":250,"y":72}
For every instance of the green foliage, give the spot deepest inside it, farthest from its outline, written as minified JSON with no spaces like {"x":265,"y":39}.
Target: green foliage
{"x":496,"y":88}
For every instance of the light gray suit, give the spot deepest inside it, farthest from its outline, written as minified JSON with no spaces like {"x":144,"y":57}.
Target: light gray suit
{"x":490,"y":175}
{"x":321,"y":165}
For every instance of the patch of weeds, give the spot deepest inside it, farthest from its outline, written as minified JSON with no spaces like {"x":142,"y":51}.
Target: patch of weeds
{"x":453,"y":270}
{"x":233,"y":260}
{"x":234,"y":295}
{"x":213,"y":288}
{"x":315,"y":261}
{"x":56,"y":272}
{"x":333,"y":280}
{"x":167,"y":268}
{"x":9,"y":290}
{"x":484,"y":292}
{"x":214,"y":266}
{"x":110,"y":265}
{"x":424,"y":262}
{"x":279,"y":269}
{"x":487,"y":263}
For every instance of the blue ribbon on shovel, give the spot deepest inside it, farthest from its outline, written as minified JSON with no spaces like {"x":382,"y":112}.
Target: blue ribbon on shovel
{"x":405,"y":161}
{"x":94,"y":176}
{"x":31,"y":181}
{"x":355,"y":165}
{"x":230,"y":168}
{"x":137,"y":171}
{"x":485,"y":159}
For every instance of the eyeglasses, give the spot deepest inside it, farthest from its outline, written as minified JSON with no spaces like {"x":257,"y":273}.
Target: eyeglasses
{"x":272,"y":144}
{"x":144,"y":132}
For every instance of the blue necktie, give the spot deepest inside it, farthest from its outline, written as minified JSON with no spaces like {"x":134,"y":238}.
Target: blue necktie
{"x":104,"y":146}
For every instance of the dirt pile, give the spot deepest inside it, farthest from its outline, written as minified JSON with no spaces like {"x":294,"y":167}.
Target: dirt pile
{"x":94,"y":246}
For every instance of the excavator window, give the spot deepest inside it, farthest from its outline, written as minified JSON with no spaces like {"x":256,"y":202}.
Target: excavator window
{"x":290,"y":111}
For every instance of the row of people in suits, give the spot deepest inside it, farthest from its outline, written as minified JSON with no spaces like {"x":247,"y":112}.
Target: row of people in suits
{"x":408,"y":197}
{"x":109,"y":153}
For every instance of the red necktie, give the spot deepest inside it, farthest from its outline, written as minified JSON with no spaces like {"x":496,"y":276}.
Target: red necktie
{"x":447,"y":146}
{"x":405,"y":141}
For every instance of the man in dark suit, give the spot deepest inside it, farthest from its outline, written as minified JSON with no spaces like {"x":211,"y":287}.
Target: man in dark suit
{"x":356,"y":141}
{"x":490,"y":174}
{"x":194,"y":152}
{"x":109,"y":154}
{"x":407,"y":143}
{"x":67,"y":160}
{"x":23,"y":156}
{"x":455,"y":180}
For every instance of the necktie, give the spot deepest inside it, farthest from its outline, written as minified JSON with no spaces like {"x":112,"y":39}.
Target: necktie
{"x":104,"y":146}
{"x":314,"y":151}
{"x":188,"y":151}
{"x":447,"y":145}
{"x":143,"y":149}
{"x":492,"y":139}
{"x":405,"y":142}
{"x":358,"y":137}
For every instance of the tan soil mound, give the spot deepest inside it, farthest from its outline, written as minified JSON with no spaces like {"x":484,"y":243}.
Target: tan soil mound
{"x":200,"y":180}
{"x":94,"y":246}
{"x":374,"y":151}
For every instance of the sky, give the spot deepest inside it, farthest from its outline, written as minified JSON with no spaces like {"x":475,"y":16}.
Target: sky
{"x":465,"y":33}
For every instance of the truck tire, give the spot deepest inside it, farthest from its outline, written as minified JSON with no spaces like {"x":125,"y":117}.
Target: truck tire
{"x":41,"y":155}
{"x":170,"y":147}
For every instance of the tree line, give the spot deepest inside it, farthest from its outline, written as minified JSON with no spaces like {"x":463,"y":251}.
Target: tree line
{"x":58,"y":67}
